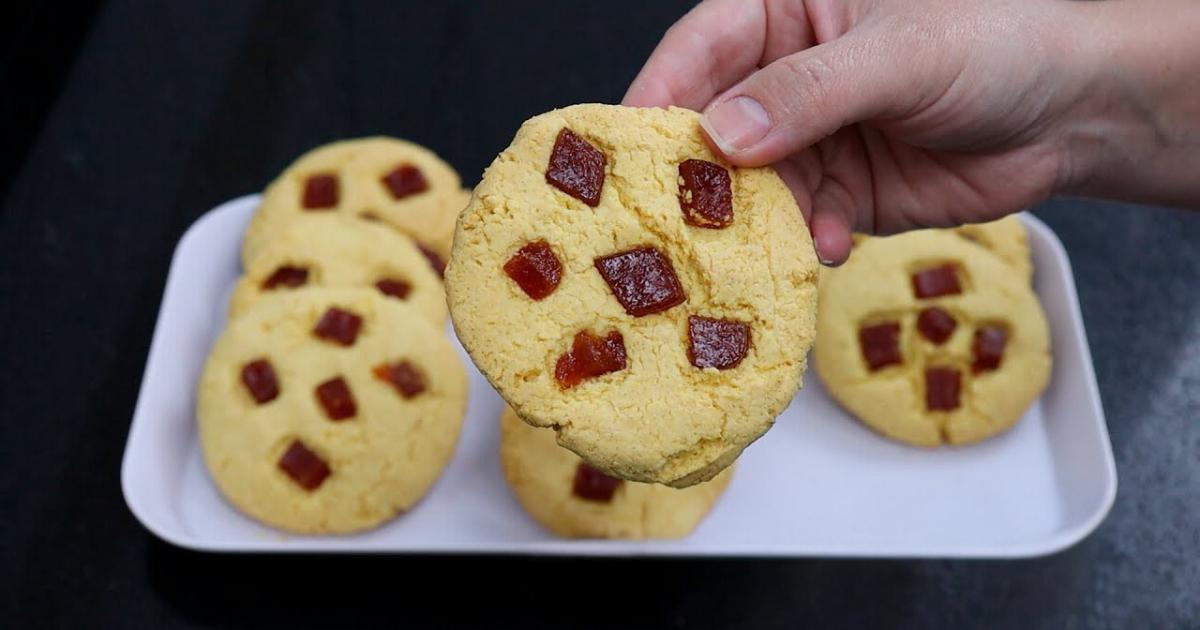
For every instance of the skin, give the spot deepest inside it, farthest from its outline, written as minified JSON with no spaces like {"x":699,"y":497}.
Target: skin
{"x":888,"y":115}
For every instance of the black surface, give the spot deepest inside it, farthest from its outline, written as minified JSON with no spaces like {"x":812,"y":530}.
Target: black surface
{"x":172,"y":108}
{"x":38,"y":42}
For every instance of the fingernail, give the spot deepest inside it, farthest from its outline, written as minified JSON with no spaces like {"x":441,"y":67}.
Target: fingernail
{"x":825,"y":259}
{"x":736,"y":124}
{"x":822,"y":246}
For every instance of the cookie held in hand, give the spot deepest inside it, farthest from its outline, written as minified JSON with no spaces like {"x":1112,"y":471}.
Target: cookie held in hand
{"x":617,"y":281}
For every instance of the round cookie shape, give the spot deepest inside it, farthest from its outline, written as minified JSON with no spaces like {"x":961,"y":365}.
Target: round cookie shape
{"x":329,"y":410}
{"x":683,"y":298}
{"x":395,"y":182}
{"x":573,"y":501}
{"x":339,"y":251}
{"x":929,"y":338}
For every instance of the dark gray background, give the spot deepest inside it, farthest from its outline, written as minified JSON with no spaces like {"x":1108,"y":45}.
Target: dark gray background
{"x":170,"y":108}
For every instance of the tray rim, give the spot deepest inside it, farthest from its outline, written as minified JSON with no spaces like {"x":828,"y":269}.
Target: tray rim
{"x":1059,"y":541}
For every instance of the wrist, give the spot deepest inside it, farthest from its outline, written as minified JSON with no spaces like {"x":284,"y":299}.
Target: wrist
{"x":1134,"y":133}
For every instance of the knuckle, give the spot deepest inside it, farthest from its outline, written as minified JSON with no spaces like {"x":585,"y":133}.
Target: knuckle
{"x":806,"y":85}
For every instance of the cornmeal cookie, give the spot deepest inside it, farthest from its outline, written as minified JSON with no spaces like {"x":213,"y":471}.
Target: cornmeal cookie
{"x":574,"y":500}
{"x":401,"y":184}
{"x":929,"y":338}
{"x":339,"y":251}
{"x":329,"y":410}
{"x":615,"y":280}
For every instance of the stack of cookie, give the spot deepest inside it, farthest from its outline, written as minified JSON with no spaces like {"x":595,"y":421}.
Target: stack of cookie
{"x":333,"y":400}
{"x":935,"y":336}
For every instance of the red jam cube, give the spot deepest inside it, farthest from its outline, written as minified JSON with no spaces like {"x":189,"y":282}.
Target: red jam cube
{"x":592,"y":485}
{"x":305,"y":467}
{"x":880,"y":345}
{"x":642,"y":280}
{"x":717,"y":343}
{"x":936,"y":325}
{"x":942,"y":388}
{"x":435,"y":261}
{"x":335,"y":397}
{"x":576,"y":168}
{"x":338,"y":326}
{"x":393,"y":287}
{"x":405,"y":180}
{"x":535,"y":269}
{"x":705,"y":194}
{"x":987,"y":350}
{"x":259,"y":378}
{"x":590,"y":356}
{"x":403,"y":376}
{"x":286,"y":276}
{"x":320,"y":192}
{"x":941,"y":280}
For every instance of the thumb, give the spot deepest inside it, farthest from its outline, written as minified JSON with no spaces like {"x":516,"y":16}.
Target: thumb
{"x":797,"y":100}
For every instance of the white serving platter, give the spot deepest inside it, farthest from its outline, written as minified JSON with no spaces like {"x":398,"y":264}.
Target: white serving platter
{"x":818,"y":484}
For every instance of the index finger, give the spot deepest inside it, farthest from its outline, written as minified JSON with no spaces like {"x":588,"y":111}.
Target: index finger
{"x":712,"y":47}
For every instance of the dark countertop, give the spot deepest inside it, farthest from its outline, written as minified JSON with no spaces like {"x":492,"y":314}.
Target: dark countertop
{"x":170,"y":108}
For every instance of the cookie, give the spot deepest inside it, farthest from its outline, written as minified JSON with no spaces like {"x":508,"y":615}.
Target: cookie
{"x":574,"y":500}
{"x":1005,"y":238}
{"x":339,"y":251}
{"x":329,"y":410}
{"x":615,"y":280}
{"x":401,"y":184}
{"x":929,"y":338}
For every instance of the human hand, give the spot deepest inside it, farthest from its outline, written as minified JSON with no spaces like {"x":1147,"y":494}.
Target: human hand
{"x":885,"y":115}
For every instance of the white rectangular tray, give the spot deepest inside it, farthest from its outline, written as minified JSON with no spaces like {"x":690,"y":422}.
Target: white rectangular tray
{"x":818,"y":484}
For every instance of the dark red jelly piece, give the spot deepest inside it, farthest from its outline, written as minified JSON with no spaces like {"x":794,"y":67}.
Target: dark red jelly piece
{"x":590,"y":356}
{"x":936,"y":325}
{"x":988,"y":348}
{"x":705,"y":194}
{"x":402,"y":375}
{"x":338,"y":326}
{"x":393,"y":287}
{"x":593,"y":485}
{"x":535,"y":269}
{"x":259,"y":377}
{"x":941,"y":388}
{"x":305,"y":467}
{"x":405,"y":180}
{"x":942,"y":280}
{"x":576,"y":167}
{"x":435,"y":261}
{"x":286,"y":276}
{"x":880,"y":345}
{"x":320,"y":192}
{"x":334,"y":395}
{"x":642,"y":280}
{"x":717,"y":343}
